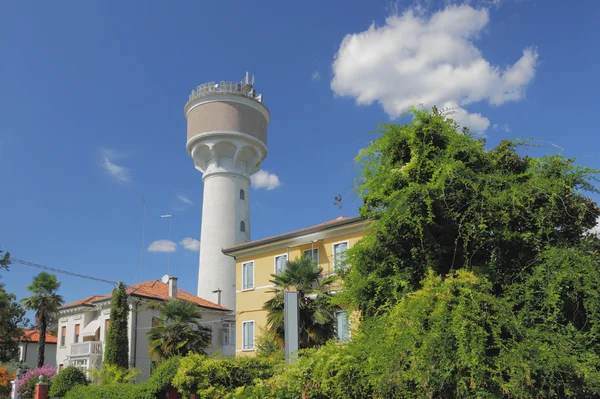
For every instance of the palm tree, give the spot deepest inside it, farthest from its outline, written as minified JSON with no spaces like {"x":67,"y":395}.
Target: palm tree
{"x":316,"y":312}
{"x":45,"y":302}
{"x":178,"y":331}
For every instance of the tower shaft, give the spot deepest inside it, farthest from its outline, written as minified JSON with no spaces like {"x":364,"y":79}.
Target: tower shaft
{"x":227,"y":137}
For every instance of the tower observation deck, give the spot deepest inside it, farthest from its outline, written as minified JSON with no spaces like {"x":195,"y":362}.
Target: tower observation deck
{"x":227,"y":140}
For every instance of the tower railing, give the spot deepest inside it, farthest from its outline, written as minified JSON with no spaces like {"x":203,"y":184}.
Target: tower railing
{"x":242,"y":88}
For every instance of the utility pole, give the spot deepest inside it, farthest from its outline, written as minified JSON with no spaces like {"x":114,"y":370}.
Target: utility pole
{"x":143,"y":229}
{"x":168,"y":215}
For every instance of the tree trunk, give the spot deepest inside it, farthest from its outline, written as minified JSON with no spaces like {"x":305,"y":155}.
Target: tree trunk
{"x":42,"y":345}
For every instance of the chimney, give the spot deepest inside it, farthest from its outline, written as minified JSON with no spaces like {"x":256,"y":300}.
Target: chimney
{"x":173,"y":287}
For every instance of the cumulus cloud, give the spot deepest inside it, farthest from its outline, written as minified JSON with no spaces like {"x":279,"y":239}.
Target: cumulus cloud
{"x":265,"y":179}
{"x":414,"y":59}
{"x":162,"y":246}
{"x":184,"y":199}
{"x":118,"y":173}
{"x":190,"y":244}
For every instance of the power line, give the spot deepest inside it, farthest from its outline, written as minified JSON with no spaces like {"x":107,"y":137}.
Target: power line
{"x":52,"y":269}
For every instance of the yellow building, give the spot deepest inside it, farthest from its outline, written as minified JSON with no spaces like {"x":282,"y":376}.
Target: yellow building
{"x":257,"y":260}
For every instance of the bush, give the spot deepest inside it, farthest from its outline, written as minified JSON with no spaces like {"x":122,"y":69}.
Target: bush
{"x":26,"y":385}
{"x":66,"y":380}
{"x":109,"y":374}
{"x":213,"y":377}
{"x":117,"y":391}
{"x":161,"y":379}
{"x":5,"y":378}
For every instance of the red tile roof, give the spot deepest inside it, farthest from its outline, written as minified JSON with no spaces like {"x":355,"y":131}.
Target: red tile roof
{"x":153,"y":289}
{"x":318,"y":227}
{"x":34,"y":336}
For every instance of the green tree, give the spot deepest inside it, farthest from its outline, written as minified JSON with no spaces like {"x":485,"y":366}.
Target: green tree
{"x":441,"y":201}
{"x":66,"y":380}
{"x":4,"y":260}
{"x":117,"y":342}
{"x":316,"y":311}
{"x":179,"y":331}
{"x":45,"y":301}
{"x":12,"y":315}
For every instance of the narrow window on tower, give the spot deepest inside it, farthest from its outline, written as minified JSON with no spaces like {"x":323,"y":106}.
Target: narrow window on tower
{"x":243,"y":226}
{"x":242,"y":195}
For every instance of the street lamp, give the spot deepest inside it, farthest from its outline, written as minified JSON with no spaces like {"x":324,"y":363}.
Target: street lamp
{"x":168,"y":215}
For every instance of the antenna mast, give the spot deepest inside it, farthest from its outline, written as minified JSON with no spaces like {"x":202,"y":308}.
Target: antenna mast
{"x":143,"y":201}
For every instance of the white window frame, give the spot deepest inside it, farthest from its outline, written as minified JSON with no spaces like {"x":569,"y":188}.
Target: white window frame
{"x":335,"y":267}
{"x":253,"y":335}
{"x":347,"y":313}
{"x":311,"y":252}
{"x":275,"y":261}
{"x":243,"y":275}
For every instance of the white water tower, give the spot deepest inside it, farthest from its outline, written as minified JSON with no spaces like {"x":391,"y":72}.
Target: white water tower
{"x":227,"y":139}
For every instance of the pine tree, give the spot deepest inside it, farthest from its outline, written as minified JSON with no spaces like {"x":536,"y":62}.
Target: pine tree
{"x":117,"y":344}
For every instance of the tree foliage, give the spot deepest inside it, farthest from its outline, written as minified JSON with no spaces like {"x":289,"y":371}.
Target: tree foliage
{"x":316,"y":311}
{"x":12,"y":315}
{"x":441,"y":201}
{"x":179,"y":331}
{"x":117,"y":342}
{"x":45,"y":301}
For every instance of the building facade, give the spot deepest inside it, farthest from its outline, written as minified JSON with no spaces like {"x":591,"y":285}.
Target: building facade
{"x":28,"y":348}
{"x":83,"y":325}
{"x":256,"y":261}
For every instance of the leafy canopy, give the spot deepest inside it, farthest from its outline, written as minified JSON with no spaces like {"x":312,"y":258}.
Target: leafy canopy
{"x":441,"y":201}
{"x":179,"y":331}
{"x":316,"y":310}
{"x":45,"y":301}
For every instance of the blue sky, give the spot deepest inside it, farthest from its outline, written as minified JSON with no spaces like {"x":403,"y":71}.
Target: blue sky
{"x":91,"y":111}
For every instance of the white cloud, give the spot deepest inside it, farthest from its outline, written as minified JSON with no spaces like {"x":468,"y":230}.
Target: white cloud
{"x":316,"y":75}
{"x":506,"y":128}
{"x":184,"y":199}
{"x":596,"y":229}
{"x":118,"y":173}
{"x":162,"y":246}
{"x":414,"y":59}
{"x":264,"y":179}
{"x":190,"y":244}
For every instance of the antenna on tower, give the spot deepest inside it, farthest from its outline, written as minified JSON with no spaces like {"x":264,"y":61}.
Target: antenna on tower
{"x":143,"y":201}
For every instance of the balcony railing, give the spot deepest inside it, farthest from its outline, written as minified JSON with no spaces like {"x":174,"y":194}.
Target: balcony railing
{"x":86,"y":348}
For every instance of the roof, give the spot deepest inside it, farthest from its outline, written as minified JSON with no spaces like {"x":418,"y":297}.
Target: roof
{"x":341,"y":221}
{"x":34,"y":336}
{"x":153,"y":289}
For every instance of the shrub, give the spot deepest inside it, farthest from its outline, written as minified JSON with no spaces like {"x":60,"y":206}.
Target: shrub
{"x":66,"y":380}
{"x":5,"y":378}
{"x":26,"y":385}
{"x":213,"y":377}
{"x":109,"y":374}
{"x":161,"y":379}
{"x":117,"y":391}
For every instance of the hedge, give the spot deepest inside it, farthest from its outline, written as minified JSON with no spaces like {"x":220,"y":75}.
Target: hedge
{"x":158,"y":383}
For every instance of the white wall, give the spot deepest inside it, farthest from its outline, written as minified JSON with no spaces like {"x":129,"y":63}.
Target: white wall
{"x":28,"y":353}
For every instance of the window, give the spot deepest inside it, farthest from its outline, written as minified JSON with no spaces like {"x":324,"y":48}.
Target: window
{"x":77,"y":328}
{"x":242,"y":195}
{"x":247,"y":275}
{"x":226,"y":334}
{"x":342,"y":325}
{"x":60,"y":367}
{"x":339,"y":256}
{"x":248,"y":340}
{"x":243,"y":226}
{"x":63,"y":335}
{"x":312,"y":254}
{"x":280,"y":262}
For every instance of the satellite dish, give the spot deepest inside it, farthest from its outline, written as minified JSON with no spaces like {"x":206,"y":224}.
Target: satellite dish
{"x":165,"y":278}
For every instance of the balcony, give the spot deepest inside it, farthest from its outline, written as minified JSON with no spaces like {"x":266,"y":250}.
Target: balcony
{"x":86,"y":348}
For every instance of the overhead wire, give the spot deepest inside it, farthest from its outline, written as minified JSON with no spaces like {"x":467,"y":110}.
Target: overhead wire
{"x":53,"y":269}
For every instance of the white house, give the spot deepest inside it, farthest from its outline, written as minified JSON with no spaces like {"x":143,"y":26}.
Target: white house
{"x":28,"y":348}
{"x":83,"y":325}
